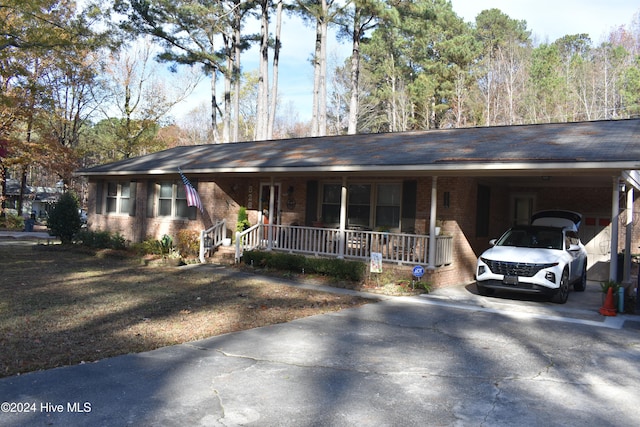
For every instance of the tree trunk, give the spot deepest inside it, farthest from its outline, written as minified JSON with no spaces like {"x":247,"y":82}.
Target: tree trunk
{"x":352,"y":128}
{"x":315,"y":108}
{"x":228,"y":76}
{"x":236,"y":73}
{"x":263,"y":78}
{"x":276,"y":58}
{"x":322,"y":104}
{"x":214,"y":108}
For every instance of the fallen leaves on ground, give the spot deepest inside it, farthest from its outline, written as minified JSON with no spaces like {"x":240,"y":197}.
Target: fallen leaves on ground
{"x":61,"y":306}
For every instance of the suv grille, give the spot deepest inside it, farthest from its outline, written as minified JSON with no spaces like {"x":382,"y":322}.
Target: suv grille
{"x":522,"y":269}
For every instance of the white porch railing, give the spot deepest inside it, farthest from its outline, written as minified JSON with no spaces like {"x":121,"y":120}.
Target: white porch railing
{"x":211,"y":238}
{"x":359,"y":244}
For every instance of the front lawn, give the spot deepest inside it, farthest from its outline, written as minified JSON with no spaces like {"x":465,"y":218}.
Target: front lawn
{"x":61,"y":306}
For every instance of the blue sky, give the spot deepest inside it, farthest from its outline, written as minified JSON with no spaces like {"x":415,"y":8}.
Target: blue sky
{"x":547,"y":19}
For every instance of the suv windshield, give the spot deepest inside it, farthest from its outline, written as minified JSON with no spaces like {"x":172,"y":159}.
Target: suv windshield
{"x":532,"y":237}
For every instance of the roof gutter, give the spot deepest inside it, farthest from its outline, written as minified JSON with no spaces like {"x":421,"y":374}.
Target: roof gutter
{"x":461,"y":168}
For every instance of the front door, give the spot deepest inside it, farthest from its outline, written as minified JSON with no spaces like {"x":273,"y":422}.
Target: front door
{"x":264,"y":203}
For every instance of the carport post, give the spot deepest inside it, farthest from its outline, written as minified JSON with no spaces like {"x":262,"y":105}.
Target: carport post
{"x":432,"y":224}
{"x":272,"y":217}
{"x":615,"y":212}
{"x":343,"y":218}
{"x":628,"y":233}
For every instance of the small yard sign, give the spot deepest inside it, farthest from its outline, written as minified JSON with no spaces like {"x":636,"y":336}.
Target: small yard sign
{"x":376,"y":262}
{"x":418,"y":271}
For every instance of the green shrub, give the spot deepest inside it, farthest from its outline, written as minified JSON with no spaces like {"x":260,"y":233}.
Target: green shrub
{"x":148,"y":247}
{"x":12,"y":222}
{"x":604,"y":286}
{"x":340,"y":269}
{"x":100,"y":239}
{"x":243,"y":219}
{"x":152,"y":246}
{"x":188,"y":243}
{"x":337,"y":268}
{"x":166,"y":244}
{"x":64,"y":219}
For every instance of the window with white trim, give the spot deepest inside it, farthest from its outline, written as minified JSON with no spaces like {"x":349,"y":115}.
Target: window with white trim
{"x":172,"y":200}
{"x":118,"y":198}
{"x":388,"y":201}
{"x":369,"y":205}
{"x":359,"y":205}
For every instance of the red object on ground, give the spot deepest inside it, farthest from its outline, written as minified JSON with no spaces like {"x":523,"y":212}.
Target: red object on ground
{"x":608,"y":309}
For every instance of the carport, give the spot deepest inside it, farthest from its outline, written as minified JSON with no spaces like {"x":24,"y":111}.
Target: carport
{"x":555,"y":166}
{"x":608,"y":228}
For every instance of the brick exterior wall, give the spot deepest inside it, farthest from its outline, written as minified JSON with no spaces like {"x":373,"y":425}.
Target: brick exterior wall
{"x":223,"y":197}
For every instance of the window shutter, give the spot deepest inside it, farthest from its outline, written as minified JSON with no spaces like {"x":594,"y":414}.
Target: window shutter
{"x":132,"y":198}
{"x":151,"y":198}
{"x":312,"y":203}
{"x":409,"y":195}
{"x":99,"y":196}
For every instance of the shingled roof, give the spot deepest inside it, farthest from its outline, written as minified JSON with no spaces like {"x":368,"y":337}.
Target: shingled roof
{"x":583,"y":147}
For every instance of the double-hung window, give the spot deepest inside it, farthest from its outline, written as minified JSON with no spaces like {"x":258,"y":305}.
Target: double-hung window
{"x":331,"y":203}
{"x":118,"y":198}
{"x":369,"y":205}
{"x":359,"y":205}
{"x":388,"y":201}
{"x":172,"y":200}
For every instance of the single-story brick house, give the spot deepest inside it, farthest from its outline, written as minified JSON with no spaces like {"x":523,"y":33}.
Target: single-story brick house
{"x":353,"y":195}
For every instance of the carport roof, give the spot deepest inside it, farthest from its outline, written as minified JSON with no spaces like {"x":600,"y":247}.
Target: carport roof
{"x":595,"y":147}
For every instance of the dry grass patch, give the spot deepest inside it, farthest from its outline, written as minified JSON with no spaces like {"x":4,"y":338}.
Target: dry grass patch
{"x":62,"y":307}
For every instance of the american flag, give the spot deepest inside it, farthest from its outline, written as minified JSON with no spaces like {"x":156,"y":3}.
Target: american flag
{"x":193,"y":199}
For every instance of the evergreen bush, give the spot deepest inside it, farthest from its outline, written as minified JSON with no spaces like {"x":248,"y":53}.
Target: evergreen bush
{"x":101,"y":239}
{"x":243,"y":219}
{"x":64,"y":219}
{"x":337,"y":268}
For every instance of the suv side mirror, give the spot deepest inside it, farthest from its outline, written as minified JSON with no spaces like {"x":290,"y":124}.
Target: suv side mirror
{"x":574,"y":247}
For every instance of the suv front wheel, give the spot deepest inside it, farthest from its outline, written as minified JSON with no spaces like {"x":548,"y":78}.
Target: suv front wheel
{"x":562,"y":294}
{"x":581,"y":284}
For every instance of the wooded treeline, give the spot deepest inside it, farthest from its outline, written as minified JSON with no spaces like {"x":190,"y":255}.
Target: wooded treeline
{"x":85,"y":86}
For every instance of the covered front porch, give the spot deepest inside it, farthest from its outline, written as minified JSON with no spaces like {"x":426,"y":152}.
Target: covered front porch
{"x":351,"y":233}
{"x":399,"y":248}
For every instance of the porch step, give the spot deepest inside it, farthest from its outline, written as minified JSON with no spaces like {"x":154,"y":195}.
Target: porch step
{"x":223,"y":255}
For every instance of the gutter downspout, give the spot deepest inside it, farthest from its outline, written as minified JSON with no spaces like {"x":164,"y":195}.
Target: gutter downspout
{"x":432,"y":224}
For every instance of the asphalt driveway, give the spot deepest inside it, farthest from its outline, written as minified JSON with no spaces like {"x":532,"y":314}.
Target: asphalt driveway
{"x":451,"y":358}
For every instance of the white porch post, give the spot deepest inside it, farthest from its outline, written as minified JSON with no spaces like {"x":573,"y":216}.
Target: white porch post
{"x":432,"y":224}
{"x":615,"y":212}
{"x":628,"y":235}
{"x":343,"y":218}
{"x":272,"y":197}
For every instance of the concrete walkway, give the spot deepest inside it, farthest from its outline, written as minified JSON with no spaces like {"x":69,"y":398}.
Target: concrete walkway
{"x":24,"y":236}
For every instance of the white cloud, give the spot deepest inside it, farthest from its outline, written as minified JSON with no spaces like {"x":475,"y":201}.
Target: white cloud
{"x":552,"y":19}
